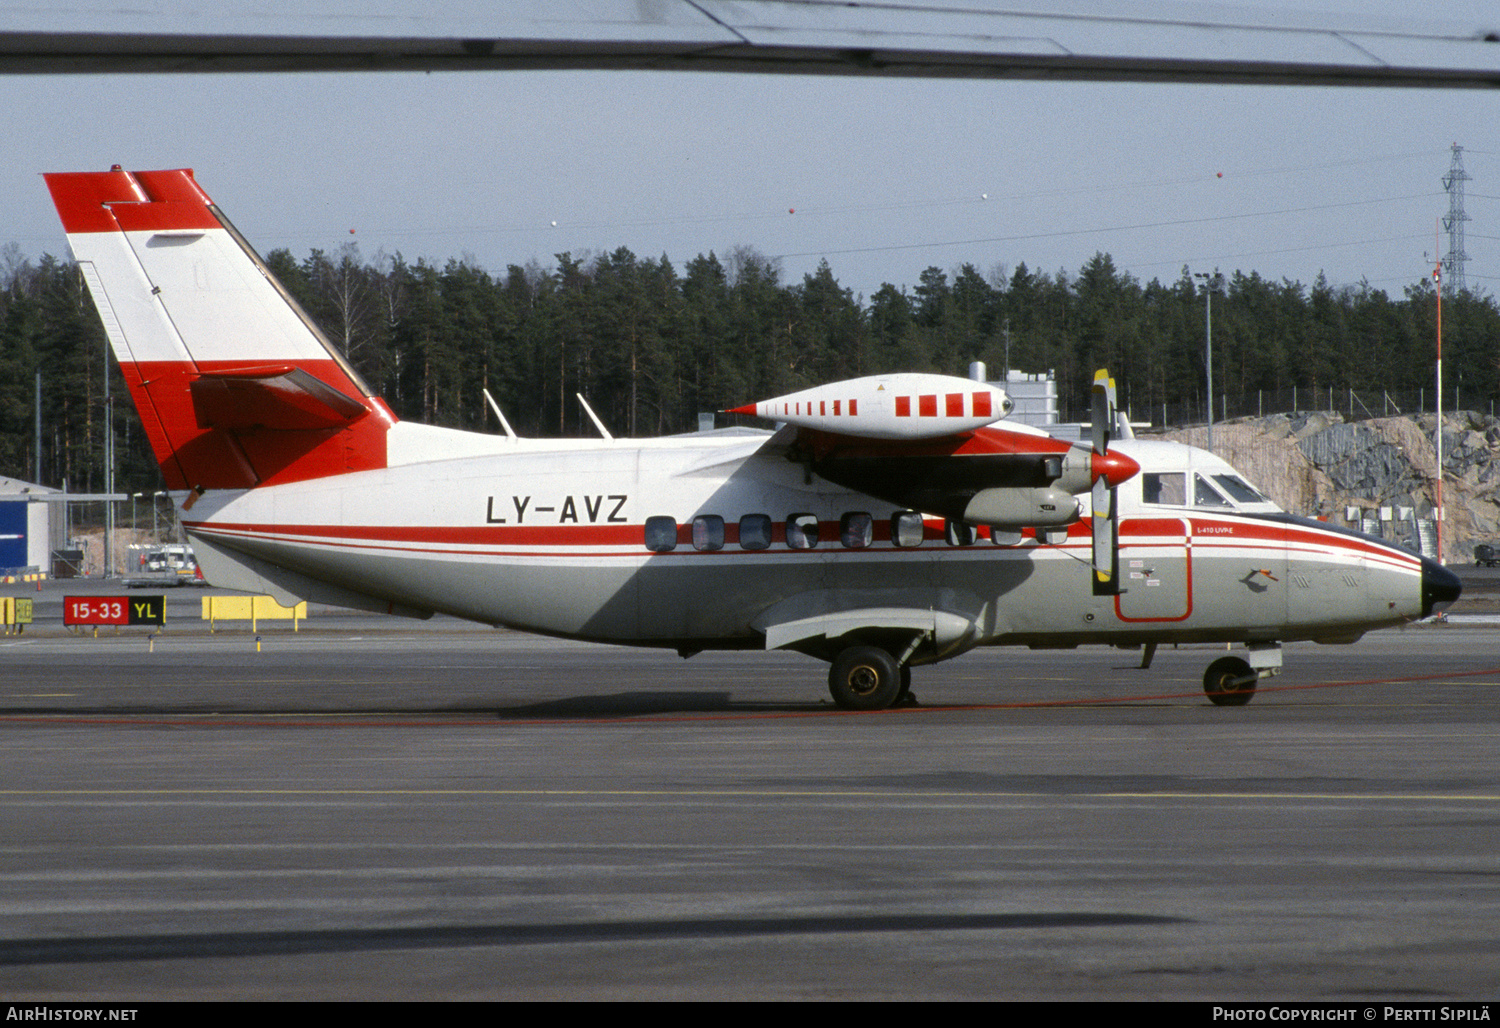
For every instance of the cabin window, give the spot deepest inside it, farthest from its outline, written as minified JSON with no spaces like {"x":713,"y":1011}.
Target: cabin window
{"x":661,"y":534}
{"x":1205,"y":495}
{"x":755,"y":531}
{"x":959,"y":534}
{"x":907,"y":528}
{"x":1165,"y":487}
{"x":802,"y":531}
{"x":708,"y":532}
{"x":856,"y":530}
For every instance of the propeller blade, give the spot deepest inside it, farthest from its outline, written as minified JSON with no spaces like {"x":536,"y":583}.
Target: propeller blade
{"x":1104,"y":410}
{"x":1106,"y":523}
{"x":1106,"y":526}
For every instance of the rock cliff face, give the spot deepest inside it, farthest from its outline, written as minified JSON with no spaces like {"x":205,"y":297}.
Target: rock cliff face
{"x":1383,"y":472}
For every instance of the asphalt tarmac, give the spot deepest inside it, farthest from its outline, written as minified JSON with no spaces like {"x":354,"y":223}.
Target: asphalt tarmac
{"x":379,"y":809}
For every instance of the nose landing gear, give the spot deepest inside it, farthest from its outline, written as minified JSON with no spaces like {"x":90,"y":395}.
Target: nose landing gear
{"x":1230,"y":681}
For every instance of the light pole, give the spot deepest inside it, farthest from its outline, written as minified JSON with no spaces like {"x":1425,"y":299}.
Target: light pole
{"x":135,"y":527}
{"x":1210,"y":283}
{"x":109,"y":476}
{"x":1437,"y":288}
{"x":155,"y":532}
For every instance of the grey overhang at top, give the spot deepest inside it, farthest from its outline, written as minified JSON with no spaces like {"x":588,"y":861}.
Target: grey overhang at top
{"x":1026,"y":39}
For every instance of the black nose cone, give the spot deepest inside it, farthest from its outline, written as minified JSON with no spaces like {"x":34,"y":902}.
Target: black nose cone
{"x":1440,"y":586}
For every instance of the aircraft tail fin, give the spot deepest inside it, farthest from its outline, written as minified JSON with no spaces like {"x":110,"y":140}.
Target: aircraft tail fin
{"x":235,"y":385}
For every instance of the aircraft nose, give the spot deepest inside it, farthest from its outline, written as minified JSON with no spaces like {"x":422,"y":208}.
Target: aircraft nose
{"x":1440,"y":586}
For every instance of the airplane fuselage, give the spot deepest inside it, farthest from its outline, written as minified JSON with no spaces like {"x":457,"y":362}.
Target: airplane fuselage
{"x":890,"y":522}
{"x":556,"y":541}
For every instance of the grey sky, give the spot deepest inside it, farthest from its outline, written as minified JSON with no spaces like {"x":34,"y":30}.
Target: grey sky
{"x":886,"y":177}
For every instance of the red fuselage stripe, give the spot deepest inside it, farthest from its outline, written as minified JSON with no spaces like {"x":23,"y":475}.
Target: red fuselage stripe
{"x":1136,"y":533}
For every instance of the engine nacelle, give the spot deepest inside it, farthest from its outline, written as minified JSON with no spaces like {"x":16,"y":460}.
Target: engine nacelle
{"x":904,"y":406}
{"x":1012,"y":508}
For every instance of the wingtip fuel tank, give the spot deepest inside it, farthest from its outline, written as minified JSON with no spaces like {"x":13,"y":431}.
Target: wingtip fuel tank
{"x":905,"y":406}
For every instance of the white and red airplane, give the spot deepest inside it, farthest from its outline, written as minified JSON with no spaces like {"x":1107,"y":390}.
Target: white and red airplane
{"x":888,"y":522}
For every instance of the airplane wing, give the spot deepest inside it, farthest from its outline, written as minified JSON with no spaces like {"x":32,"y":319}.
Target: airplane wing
{"x":930,"y":443}
{"x":1161,"y":41}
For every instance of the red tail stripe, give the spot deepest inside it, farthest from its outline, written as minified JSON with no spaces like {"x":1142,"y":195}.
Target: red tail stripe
{"x":142,"y":201}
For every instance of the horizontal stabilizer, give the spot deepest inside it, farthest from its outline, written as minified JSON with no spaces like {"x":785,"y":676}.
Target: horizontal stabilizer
{"x":278,"y":398}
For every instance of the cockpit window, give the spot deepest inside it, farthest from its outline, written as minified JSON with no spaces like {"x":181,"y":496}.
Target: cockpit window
{"x":1210,"y":489}
{"x":1166,"y":487}
{"x":1239,"y":490}
{"x":1205,"y":495}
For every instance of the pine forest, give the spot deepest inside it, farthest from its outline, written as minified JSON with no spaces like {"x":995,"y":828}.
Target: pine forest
{"x":651,"y":344}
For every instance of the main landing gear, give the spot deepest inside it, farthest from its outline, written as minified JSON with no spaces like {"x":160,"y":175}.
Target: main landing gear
{"x":868,"y":678}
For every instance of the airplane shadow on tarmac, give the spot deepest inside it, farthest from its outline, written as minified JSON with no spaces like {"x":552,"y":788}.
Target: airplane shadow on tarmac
{"x":651,"y":702}
{"x":624,"y":704}
{"x":110,"y":949}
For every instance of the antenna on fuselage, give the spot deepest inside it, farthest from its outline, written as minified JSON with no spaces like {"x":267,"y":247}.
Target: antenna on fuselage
{"x":593,"y":417}
{"x":496,"y":408}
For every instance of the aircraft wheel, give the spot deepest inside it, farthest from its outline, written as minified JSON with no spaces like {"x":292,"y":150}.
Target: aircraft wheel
{"x":1219,"y":679}
{"x":905,"y":698}
{"x":864,"y":678}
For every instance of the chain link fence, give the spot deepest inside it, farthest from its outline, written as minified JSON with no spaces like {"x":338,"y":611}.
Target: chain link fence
{"x":1352,"y":405}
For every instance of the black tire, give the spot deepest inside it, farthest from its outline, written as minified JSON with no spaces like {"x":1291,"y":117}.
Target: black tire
{"x":864,"y":678}
{"x":905,"y":698}
{"x":1219,"y":679}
